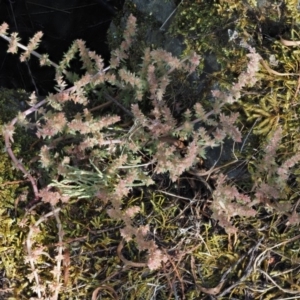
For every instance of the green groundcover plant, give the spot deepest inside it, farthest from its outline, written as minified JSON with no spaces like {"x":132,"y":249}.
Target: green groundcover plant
{"x":89,"y":157}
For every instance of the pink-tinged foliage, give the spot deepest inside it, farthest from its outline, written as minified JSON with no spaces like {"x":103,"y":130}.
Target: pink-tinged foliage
{"x":182,"y":164}
{"x":49,"y":197}
{"x":118,"y":155}
{"x":228,"y":202}
{"x":132,"y":210}
{"x":283,"y":171}
{"x":3,"y":28}
{"x":8,"y":131}
{"x":84,"y":56}
{"x":130,"y":78}
{"x":200,"y":112}
{"x":33,"y":44}
{"x":13,"y":44}
{"x":164,"y":156}
{"x":266,"y":191}
{"x":246,"y":79}
{"x":120,"y":54}
{"x":228,"y":127}
{"x":156,"y":257}
{"x":45,"y":157}
{"x":294,"y":218}
{"x":55,"y":123}
{"x":275,"y":176}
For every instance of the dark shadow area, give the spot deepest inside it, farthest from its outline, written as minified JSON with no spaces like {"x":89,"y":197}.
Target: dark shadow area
{"x":62,"y":22}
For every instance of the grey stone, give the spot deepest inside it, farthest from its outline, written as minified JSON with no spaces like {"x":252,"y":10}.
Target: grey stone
{"x":159,"y":9}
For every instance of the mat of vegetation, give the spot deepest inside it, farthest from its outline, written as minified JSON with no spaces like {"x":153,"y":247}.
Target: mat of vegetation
{"x":105,"y":188}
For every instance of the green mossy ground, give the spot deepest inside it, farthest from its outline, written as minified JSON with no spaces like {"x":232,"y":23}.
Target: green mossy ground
{"x":204,"y":262}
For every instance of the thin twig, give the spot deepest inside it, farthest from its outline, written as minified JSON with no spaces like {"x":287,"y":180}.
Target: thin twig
{"x":110,"y":98}
{"x":249,"y":268}
{"x":126,"y":261}
{"x":172,"y":13}
{"x":257,"y":260}
{"x":59,"y":257}
{"x":29,"y":243}
{"x":278,"y":286}
{"x":247,"y":136}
